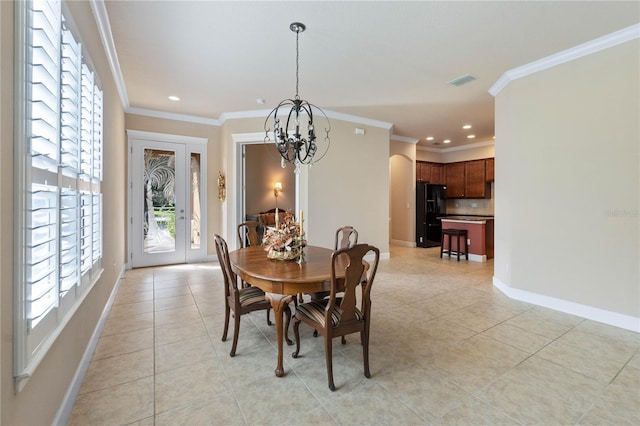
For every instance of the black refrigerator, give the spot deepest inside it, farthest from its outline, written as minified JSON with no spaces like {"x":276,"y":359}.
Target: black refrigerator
{"x":431,"y":203}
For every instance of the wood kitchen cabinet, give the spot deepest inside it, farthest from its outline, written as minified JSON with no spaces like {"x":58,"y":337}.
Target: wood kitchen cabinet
{"x":475,"y":184}
{"x":437,"y":174}
{"x":489,"y":172}
{"x":423,"y":171}
{"x":464,"y":179}
{"x":430,"y":172}
{"x":454,"y":177}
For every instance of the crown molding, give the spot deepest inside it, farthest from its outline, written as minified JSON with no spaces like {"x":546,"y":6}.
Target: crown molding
{"x":584,"y":49}
{"x":404,"y":139}
{"x":457,"y":148}
{"x":173,"y":116}
{"x":359,"y":120}
{"x":104,"y":29}
{"x":264,"y":113}
{"x":258,"y":113}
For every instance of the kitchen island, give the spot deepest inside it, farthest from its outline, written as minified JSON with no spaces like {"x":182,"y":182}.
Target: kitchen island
{"x":479,"y":233}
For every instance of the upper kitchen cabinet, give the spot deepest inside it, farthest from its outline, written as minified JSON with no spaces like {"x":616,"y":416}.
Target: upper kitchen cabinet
{"x":475,"y":183}
{"x":437,"y":174}
{"x":489,"y":170}
{"x":430,"y":172}
{"x":423,"y":171}
{"x":454,"y":174}
{"x":464,"y":179}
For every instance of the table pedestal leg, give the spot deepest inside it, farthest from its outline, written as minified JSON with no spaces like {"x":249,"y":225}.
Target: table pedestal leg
{"x":279,"y":303}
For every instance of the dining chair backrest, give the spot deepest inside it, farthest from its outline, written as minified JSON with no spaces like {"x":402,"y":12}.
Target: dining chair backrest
{"x":248,"y":234}
{"x":357,"y":272}
{"x":230,"y":279}
{"x":346,"y":236}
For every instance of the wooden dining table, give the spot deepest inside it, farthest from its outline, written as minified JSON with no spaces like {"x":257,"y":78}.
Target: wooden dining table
{"x":282,"y":280}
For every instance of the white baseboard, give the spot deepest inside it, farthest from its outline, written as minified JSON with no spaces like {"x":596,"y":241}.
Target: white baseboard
{"x":403,"y":243}
{"x":64,"y":412}
{"x":589,"y":312}
{"x":472,"y":257}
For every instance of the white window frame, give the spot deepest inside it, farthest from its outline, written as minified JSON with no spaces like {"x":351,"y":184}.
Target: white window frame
{"x":65,"y":226}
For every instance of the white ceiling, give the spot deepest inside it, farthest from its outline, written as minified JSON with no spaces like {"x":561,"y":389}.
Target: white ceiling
{"x":383,"y":60}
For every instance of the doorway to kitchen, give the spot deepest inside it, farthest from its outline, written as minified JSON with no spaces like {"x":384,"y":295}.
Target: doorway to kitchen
{"x":167,"y":199}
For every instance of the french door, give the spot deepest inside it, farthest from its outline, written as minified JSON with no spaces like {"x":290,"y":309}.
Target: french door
{"x":166,"y":201}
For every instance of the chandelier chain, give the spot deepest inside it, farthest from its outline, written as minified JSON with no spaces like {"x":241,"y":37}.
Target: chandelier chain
{"x":297,"y":63}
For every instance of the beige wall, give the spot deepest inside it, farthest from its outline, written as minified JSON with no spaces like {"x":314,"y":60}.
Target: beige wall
{"x":470,"y":153}
{"x":6,"y":206}
{"x":402,"y":193}
{"x":424,"y":155}
{"x":567,"y":183}
{"x":350,"y":186}
{"x":46,"y":388}
{"x":215,"y":161}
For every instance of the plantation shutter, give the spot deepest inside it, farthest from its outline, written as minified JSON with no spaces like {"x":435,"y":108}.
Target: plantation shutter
{"x":43,"y":116}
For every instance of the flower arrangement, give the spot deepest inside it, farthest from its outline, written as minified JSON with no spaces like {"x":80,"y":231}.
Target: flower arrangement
{"x":283,"y":241}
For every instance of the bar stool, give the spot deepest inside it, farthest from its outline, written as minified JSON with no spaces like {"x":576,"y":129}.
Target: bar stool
{"x":458,"y":233}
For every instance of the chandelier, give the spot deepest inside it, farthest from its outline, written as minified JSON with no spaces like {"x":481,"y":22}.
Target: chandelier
{"x":294,"y":146}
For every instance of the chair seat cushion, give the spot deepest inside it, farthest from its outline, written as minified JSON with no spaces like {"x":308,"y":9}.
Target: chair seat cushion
{"x":250,"y":295}
{"x":315,"y":311}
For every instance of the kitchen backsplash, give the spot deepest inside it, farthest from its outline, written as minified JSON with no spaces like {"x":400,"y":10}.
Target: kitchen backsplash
{"x":482,"y":207}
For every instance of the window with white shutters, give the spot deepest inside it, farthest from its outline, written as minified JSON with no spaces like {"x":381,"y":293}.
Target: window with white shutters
{"x":59,"y":170}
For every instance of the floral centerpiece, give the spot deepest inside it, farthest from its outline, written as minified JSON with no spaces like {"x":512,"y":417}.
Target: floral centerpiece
{"x":284,"y":241}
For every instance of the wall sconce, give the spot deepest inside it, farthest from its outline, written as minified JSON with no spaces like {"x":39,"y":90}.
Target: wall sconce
{"x":222,"y":187}
{"x":277,"y":189}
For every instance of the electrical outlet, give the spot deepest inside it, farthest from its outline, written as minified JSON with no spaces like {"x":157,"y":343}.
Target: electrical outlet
{"x":468,"y":241}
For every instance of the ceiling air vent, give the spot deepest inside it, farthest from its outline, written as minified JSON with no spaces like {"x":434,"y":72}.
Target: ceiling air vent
{"x":464,"y":79}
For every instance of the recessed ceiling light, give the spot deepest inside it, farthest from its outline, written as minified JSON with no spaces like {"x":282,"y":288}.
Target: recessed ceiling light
{"x":446,"y":141}
{"x":430,"y":138}
{"x":260,"y":101}
{"x":471,"y":136}
{"x":466,"y":126}
{"x":174,"y":98}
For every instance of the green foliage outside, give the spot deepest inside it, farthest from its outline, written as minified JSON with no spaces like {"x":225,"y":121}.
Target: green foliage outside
{"x":166,"y":219}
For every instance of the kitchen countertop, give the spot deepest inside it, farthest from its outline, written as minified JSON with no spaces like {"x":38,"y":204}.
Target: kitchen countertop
{"x":463,"y":218}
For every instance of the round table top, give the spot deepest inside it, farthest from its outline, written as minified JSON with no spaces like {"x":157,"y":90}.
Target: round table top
{"x":252,"y":262}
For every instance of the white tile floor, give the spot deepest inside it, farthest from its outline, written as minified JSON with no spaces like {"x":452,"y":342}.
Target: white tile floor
{"x":446,"y":348}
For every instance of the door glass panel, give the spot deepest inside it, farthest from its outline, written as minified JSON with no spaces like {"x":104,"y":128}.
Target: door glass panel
{"x":195,"y":200}
{"x":159,"y":201}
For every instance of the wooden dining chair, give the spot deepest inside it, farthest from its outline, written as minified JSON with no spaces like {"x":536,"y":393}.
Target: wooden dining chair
{"x":346,"y":236}
{"x":332,"y":319}
{"x":239,"y":300}
{"x":248,"y":236}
